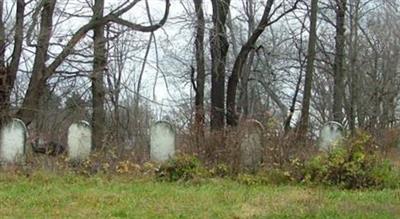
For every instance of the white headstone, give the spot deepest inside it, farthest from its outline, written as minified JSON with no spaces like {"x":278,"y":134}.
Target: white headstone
{"x":251,"y":145}
{"x":79,"y":141}
{"x":330,"y":136}
{"x":13,"y":142}
{"x":162,"y":141}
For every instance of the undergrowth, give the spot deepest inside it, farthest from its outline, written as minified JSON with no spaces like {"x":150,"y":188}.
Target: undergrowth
{"x":355,"y":164}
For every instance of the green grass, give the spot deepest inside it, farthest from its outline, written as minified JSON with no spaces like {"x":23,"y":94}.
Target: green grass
{"x":71,"y":196}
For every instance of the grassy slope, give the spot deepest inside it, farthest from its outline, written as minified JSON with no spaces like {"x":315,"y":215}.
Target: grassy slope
{"x":50,"y":196}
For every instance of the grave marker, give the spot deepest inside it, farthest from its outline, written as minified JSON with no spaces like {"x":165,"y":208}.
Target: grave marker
{"x":13,"y":142}
{"x":330,"y":136}
{"x":79,"y":141}
{"x":162,"y":141}
{"x":251,"y":145}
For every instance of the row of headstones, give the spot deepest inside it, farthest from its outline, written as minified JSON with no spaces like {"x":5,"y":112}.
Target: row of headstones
{"x":14,"y":135}
{"x":251,"y":146}
{"x":162,"y":146}
{"x":162,"y":141}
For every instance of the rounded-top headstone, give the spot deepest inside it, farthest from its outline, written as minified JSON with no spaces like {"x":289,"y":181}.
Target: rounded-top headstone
{"x":13,"y":142}
{"x":79,"y":141}
{"x":162,"y":141}
{"x":251,"y":145}
{"x":330,"y":136}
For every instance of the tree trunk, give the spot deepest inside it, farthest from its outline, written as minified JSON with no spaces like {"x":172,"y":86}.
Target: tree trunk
{"x":9,"y":73}
{"x":305,"y":110}
{"x":4,"y":88}
{"x":99,"y":66}
{"x":353,"y":51}
{"x":38,"y":81}
{"x":289,"y":117}
{"x":243,"y":101}
{"x":2,"y":36}
{"x":243,"y":104}
{"x":231,"y":117}
{"x":200,"y":78}
{"x":338,"y":66}
{"x":219,"y":49}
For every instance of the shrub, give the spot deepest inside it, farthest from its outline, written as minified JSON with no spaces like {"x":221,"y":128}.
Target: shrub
{"x":355,"y":166}
{"x":221,"y":170}
{"x":181,"y":168}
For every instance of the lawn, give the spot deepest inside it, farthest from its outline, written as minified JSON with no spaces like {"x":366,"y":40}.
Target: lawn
{"x":73,"y":196}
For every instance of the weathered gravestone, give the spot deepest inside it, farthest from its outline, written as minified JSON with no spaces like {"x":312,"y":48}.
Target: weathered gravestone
{"x":330,"y":136}
{"x":162,"y":141}
{"x":251,"y":144}
{"x":13,"y":142}
{"x":79,"y":141}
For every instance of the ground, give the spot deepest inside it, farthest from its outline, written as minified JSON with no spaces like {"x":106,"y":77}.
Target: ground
{"x":43,"y":195}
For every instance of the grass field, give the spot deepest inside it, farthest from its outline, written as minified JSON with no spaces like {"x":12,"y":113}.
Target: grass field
{"x":73,"y":196}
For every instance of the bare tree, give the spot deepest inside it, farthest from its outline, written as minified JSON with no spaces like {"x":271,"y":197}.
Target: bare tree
{"x":37,"y":83}
{"x":8,"y":72}
{"x":304,"y":119}
{"x":338,"y":66}
{"x":219,"y":50}
{"x":99,"y":68}
{"x":353,"y":56}
{"x":200,"y":67}
{"x":243,"y":100}
{"x":232,"y":118}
